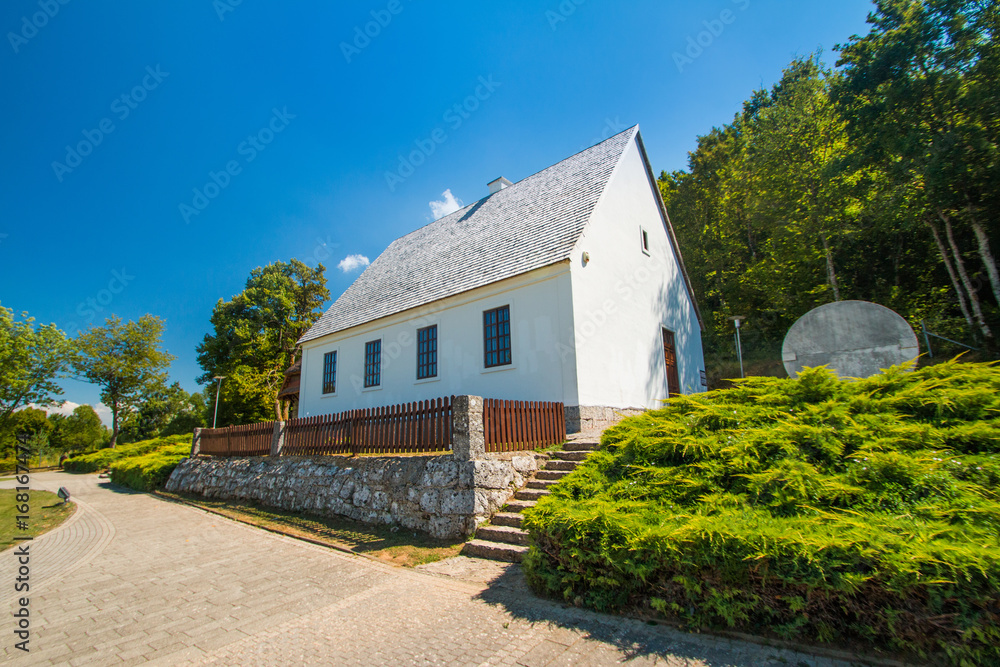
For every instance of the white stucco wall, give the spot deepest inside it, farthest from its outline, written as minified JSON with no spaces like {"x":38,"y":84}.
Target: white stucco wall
{"x":623,"y":297}
{"x":541,"y":326}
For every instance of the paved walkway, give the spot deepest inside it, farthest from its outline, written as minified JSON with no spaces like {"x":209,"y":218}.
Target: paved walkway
{"x":131,"y":578}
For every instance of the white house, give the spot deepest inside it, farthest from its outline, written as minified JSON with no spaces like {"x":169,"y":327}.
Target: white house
{"x":565,"y":286}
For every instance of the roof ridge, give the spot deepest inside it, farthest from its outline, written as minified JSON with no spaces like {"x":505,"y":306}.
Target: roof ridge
{"x":530,"y":224}
{"x":566,"y":159}
{"x":514,"y":184}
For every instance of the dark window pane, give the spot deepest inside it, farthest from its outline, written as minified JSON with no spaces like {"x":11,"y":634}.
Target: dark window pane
{"x":496,"y":337}
{"x":373,"y":363}
{"x":329,"y":372}
{"x":427,"y":352}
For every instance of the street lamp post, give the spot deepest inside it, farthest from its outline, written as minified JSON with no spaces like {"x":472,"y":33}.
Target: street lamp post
{"x":218,"y":388}
{"x":739,"y":346}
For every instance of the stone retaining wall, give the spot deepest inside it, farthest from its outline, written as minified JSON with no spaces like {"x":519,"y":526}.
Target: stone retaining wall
{"x":591,"y":417}
{"x":441,"y":495}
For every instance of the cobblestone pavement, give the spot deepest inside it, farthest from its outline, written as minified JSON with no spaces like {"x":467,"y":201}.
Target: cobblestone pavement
{"x":131,"y":578}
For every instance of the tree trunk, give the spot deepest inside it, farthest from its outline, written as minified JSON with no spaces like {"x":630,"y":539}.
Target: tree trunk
{"x":986,"y":255}
{"x":960,"y":267}
{"x":831,"y":275}
{"x":114,"y":425}
{"x":900,"y":242}
{"x":962,"y":304}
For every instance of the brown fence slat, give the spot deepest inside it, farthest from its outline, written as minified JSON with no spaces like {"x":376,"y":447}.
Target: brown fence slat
{"x":411,"y":420}
{"x":522,"y":439}
{"x":533,"y":424}
{"x":504,"y":424}
{"x":520,"y":413}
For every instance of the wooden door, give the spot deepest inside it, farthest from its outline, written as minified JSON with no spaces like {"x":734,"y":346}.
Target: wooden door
{"x":670,"y":357}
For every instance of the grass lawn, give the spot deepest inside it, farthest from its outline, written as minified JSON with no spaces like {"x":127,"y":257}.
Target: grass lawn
{"x":389,"y":544}
{"x":44,"y":514}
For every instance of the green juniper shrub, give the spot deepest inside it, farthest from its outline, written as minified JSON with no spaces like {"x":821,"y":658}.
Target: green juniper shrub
{"x":103,"y":458}
{"x":818,"y":509}
{"x":149,"y":471}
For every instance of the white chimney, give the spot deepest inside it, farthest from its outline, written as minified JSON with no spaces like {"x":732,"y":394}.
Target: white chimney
{"x":498,"y":185}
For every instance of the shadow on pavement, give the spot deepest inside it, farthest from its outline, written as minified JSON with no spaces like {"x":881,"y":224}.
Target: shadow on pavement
{"x":115,"y":488}
{"x":631,"y":637}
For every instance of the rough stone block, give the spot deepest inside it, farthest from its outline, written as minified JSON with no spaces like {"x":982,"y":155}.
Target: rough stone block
{"x":524,"y":465}
{"x":380,"y":501}
{"x":445,"y":527}
{"x":491,"y":474}
{"x":468,"y":434}
{"x":442,"y":472}
{"x":430,"y":501}
{"x":460,"y":501}
{"x":488,"y":501}
{"x":361,"y":496}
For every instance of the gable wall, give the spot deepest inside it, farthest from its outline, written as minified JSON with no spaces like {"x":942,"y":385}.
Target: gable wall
{"x":622,"y":297}
{"x":541,"y":325}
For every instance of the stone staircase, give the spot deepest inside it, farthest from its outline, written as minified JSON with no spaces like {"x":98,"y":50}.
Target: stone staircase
{"x":502,"y":538}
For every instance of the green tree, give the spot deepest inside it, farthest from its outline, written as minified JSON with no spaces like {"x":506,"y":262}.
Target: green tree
{"x":191,"y":416}
{"x":30,"y":422}
{"x":125,"y":361}
{"x":159,"y":408}
{"x":31,"y":359}
{"x":768,"y":203}
{"x":787,"y":207}
{"x":919,"y":92}
{"x":255,"y":336}
{"x":78,"y":431}
{"x":805,"y":185}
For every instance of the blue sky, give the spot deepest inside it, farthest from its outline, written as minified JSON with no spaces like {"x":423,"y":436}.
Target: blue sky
{"x":155,"y":153}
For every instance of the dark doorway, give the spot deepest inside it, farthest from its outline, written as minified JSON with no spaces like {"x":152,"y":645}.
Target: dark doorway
{"x":670,"y":357}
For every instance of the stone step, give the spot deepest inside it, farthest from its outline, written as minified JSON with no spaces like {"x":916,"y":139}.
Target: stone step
{"x":542,"y":483}
{"x":561,"y":465}
{"x":551,"y":475}
{"x":505,"y":534}
{"x":513,"y":519}
{"x":530,"y":494}
{"x":571,"y":456}
{"x":511,"y":553}
{"x":518,"y":505}
{"x":581,"y":447}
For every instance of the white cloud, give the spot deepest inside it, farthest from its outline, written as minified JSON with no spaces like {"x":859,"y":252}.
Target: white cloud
{"x":67,"y":407}
{"x":352,"y":263}
{"x":104,"y":412}
{"x":449,"y":204}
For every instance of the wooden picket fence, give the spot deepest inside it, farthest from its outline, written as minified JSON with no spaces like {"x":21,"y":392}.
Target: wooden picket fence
{"x":246,"y":440}
{"x":424,"y":426}
{"x":518,"y":425}
{"x":408,"y":428}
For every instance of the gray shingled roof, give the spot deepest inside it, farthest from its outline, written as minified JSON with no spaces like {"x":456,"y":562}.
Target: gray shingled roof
{"x":526,"y":226}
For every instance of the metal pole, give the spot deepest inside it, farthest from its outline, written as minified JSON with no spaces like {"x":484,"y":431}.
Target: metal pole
{"x":736,"y":319}
{"x":218,"y":389}
{"x":927,"y":339}
{"x":739,"y":347}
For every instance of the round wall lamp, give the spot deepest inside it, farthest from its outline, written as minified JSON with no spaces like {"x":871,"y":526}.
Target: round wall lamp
{"x":586,"y":258}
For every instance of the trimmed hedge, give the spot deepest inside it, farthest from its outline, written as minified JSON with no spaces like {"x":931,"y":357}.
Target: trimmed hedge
{"x":149,"y":471}
{"x":103,"y":458}
{"x":817,"y":509}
